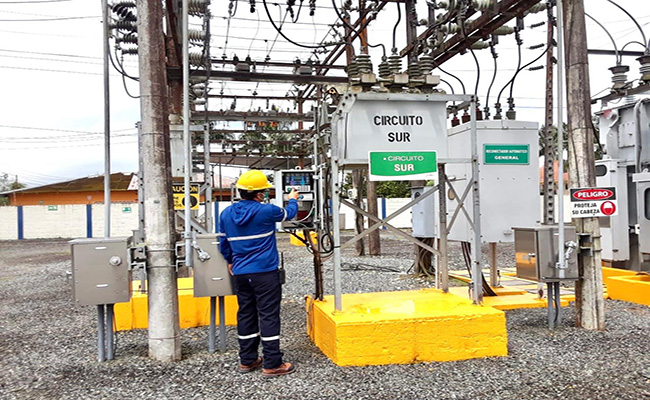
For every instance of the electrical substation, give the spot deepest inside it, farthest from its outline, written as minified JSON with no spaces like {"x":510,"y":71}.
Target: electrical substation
{"x":474,"y":176}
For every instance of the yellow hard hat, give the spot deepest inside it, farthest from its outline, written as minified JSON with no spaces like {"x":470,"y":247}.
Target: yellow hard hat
{"x":253,"y":180}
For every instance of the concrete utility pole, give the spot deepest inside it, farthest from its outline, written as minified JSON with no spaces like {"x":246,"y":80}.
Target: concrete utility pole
{"x":589,"y":289}
{"x":164,"y":339}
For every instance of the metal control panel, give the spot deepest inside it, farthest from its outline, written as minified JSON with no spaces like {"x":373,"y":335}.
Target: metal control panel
{"x":101,"y":272}
{"x":536,"y":253}
{"x":424,"y":213}
{"x":304,"y":181}
{"x":211,"y":275}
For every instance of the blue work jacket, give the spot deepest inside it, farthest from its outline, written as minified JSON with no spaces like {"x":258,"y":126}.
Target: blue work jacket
{"x":249,"y":227}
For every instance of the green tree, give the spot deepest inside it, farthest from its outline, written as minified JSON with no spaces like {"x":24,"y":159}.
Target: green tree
{"x":6,"y":184}
{"x":394,"y":189}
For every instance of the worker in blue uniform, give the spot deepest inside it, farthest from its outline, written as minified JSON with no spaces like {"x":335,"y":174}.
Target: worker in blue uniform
{"x":251,"y":251}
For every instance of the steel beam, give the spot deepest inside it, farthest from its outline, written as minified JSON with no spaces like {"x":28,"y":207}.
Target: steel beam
{"x":263,"y":77}
{"x":251,"y":116}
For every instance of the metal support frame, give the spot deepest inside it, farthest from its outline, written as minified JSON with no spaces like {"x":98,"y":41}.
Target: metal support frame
{"x":105,"y":334}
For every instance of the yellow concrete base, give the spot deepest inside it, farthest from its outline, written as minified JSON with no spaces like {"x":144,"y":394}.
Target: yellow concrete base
{"x":193,"y":311}
{"x":632,"y":288}
{"x":405,"y":327}
{"x":296,"y":242}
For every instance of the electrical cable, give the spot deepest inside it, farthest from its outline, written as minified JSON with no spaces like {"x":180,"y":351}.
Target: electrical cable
{"x":461,"y":20}
{"x":266,"y":8}
{"x":447,"y":83}
{"x":494,"y":75}
{"x":647,"y":47}
{"x":519,"y":43}
{"x":399,"y":19}
{"x":616,"y":53}
{"x":462,"y":85}
{"x":354,"y":30}
{"x":46,"y":19}
{"x":32,"y":2}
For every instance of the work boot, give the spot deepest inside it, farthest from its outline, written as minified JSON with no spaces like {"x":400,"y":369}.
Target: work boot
{"x":246,"y":368}
{"x":282,"y":369}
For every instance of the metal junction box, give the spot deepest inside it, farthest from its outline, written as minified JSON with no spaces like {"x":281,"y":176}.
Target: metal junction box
{"x":425,"y":223}
{"x":305,"y":182}
{"x":509,"y":178}
{"x":101,"y":271}
{"x":211,"y":276}
{"x":615,"y":230}
{"x":536,"y":253}
{"x":642,"y":181}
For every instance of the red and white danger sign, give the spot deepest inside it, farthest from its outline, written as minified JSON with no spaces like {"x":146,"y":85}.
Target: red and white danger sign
{"x":593,"y":202}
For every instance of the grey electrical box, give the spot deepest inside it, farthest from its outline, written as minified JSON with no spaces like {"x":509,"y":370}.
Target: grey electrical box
{"x":509,"y":178}
{"x":305,"y":182}
{"x":642,"y":181}
{"x":536,"y":253}
{"x":101,"y":271}
{"x":615,"y":230}
{"x":424,"y":221}
{"x":211,"y":275}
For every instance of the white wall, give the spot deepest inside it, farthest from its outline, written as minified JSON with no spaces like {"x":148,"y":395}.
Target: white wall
{"x":122,"y":222}
{"x":67,"y":221}
{"x":8,"y":223}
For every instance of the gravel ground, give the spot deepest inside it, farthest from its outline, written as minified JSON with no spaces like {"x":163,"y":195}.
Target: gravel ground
{"x":48,"y":345}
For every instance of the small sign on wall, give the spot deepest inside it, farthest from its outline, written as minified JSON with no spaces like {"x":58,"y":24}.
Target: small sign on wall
{"x":126,"y":209}
{"x":593,"y":202}
{"x":52,"y":208}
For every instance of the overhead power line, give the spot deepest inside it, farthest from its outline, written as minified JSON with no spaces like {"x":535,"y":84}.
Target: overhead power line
{"x":45,"y":19}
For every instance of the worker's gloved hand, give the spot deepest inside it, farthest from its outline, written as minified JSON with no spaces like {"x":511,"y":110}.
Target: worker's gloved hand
{"x":294,"y":194}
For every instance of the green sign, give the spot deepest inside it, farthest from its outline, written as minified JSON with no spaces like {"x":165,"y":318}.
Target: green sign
{"x":126,"y":209}
{"x":506,"y":154}
{"x":52,"y":208}
{"x":402,"y":165}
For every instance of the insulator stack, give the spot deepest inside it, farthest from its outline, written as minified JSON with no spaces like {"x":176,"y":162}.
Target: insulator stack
{"x":384,"y":68}
{"x":353,"y":69}
{"x":197,"y":7}
{"x":198,"y":89}
{"x":365,"y":63}
{"x":415,"y":71}
{"x":480,"y":45}
{"x":483,"y":5}
{"x":196,"y":59}
{"x":129,"y":26}
{"x":619,"y":76}
{"x":128,"y":38}
{"x":644,"y":68}
{"x":130,"y":51}
{"x":395,"y":63}
{"x":539,"y":7}
{"x":123,"y":10}
{"x":426,"y":64}
{"x":504,"y":30}
{"x":196,"y":36}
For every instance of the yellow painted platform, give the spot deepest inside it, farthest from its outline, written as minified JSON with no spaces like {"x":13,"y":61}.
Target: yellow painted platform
{"x":632,"y":288}
{"x":405,"y":327}
{"x":514,"y":299}
{"x":296,"y":242}
{"x":193,"y":311}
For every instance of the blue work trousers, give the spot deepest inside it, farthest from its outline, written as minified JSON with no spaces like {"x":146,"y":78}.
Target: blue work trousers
{"x":258,"y":318}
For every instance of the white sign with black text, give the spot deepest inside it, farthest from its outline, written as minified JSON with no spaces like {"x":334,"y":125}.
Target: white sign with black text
{"x":593,"y":202}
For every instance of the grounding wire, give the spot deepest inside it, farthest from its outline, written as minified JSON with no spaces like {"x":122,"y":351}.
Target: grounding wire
{"x":616,"y":53}
{"x":257,"y":29}
{"x":647,"y":46}
{"x":121,"y":66}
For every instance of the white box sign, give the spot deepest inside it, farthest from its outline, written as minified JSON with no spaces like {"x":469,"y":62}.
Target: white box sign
{"x":389,"y":122}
